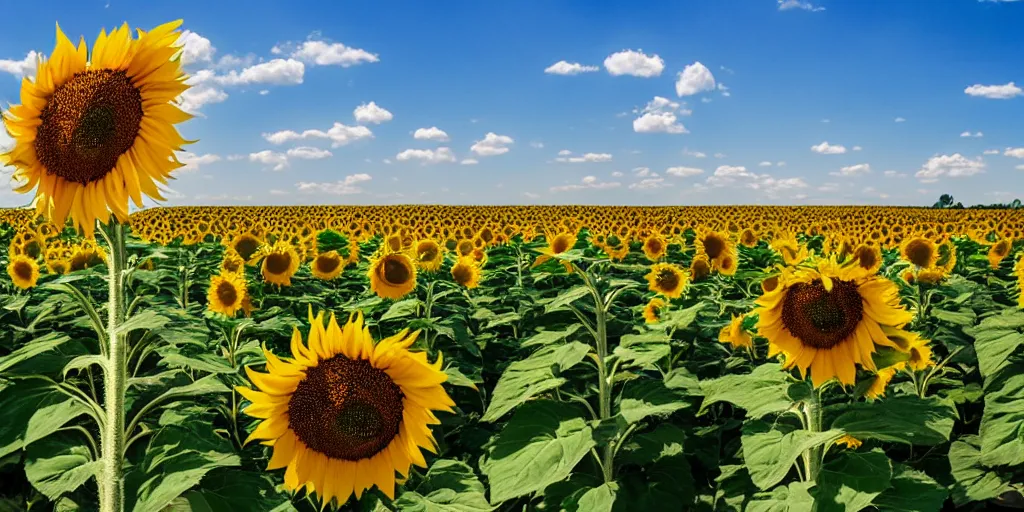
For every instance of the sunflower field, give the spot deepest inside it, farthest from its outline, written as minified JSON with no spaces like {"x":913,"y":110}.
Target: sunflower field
{"x":468,"y":359}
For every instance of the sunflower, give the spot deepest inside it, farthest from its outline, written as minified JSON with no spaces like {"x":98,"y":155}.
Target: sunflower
{"x":392,"y":275}
{"x":880,"y":381}
{"x":652,"y":310}
{"x":998,"y":252}
{"x":1019,"y":270}
{"x":714,"y":245}
{"x":666,"y":279}
{"x":920,"y":251}
{"x":87,"y":255}
{"x":327,"y":265}
{"x":789,"y":247}
{"x":734,"y":334}
{"x":429,"y":256}
{"x":868,"y":257}
{"x":58,"y":267}
{"x":749,"y":238}
{"x":466,"y":272}
{"x":94,"y":130}
{"x":24,"y":271}
{"x":726,"y":264}
{"x":829,"y":318}
{"x":557,"y":244}
{"x":700,"y":267}
{"x":232,"y":262}
{"x":280,"y":262}
{"x":655,"y":247}
{"x":227,"y":293}
{"x":247,"y":246}
{"x":343,"y":414}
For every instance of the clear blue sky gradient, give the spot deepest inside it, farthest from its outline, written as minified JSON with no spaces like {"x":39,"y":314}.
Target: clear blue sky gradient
{"x":470,"y":68}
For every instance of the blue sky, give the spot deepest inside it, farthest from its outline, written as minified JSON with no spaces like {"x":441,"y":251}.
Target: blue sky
{"x":667,"y":102}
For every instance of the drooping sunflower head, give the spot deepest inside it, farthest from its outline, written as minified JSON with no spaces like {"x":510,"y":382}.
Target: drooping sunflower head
{"x":344,"y":414}
{"x":735,"y":335}
{"x":392,"y":275}
{"x":280,"y":263}
{"x":868,"y":257}
{"x":792,"y":252}
{"x":920,"y":251}
{"x":652,"y":311}
{"x":327,"y":265}
{"x":748,"y":237}
{"x":227,"y":293}
{"x":726,"y":264}
{"x":999,"y":251}
{"x":655,"y":247}
{"x":232,"y":263}
{"x":465,"y":247}
{"x":24,"y":271}
{"x":57,"y":267}
{"x":666,"y":279}
{"x":94,"y":130}
{"x":561,"y":242}
{"x":429,"y":255}
{"x":247,"y":246}
{"x":466,"y":272}
{"x":714,"y":244}
{"x":700,"y":267}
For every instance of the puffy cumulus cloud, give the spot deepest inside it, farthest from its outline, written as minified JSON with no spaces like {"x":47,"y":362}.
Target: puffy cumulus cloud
{"x":828,"y":149}
{"x":684,"y":172}
{"x":371,"y":113}
{"x":197,"y":96}
{"x":649,"y":183}
{"x":617,"y":174}
{"x":695,"y":154}
{"x":786,"y":5}
{"x":271,"y":72}
{"x":853,"y":170}
{"x":569,"y":68}
{"x":739,"y":176}
{"x":492,"y":145}
{"x":1014,"y":152}
{"x":323,"y":53}
{"x":634,"y":63}
{"x":974,"y":135}
{"x":587,"y":183}
{"x":432,"y":133}
{"x":695,"y":78}
{"x":427,"y":156}
{"x":659,"y":116}
{"x":339,"y":135}
{"x":193,"y":161}
{"x":308,"y":153}
{"x":954,"y":166}
{"x":584,"y":158}
{"x":995,"y":92}
{"x":347,"y":186}
{"x":564,"y":152}
{"x":195,"y":48}
{"x":276,"y":161}
{"x":20,"y":68}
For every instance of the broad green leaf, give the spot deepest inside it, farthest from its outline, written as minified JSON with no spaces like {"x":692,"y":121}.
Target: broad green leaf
{"x":1002,"y":423}
{"x":146,"y":319}
{"x":973,"y":481}
{"x":964,"y":317}
{"x":206,"y":362}
{"x":223,"y":489}
{"x":502,"y":319}
{"x":769,"y":450}
{"x":850,"y":482}
{"x":733,"y":488}
{"x":49,"y":417}
{"x":539,"y":373}
{"x":540,"y":445}
{"x":792,"y":498}
{"x":643,"y":350}
{"x":59,"y":464}
{"x":565,"y":298}
{"x":401,"y":309}
{"x":82,"y":362}
{"x":995,"y":338}
{"x":449,"y":486}
{"x":598,"y":499}
{"x":679,"y":319}
{"x":911,"y":491}
{"x":31,"y":349}
{"x":549,"y":337}
{"x":900,"y":419}
{"x":649,"y":397}
{"x":766,"y":390}
{"x":32,"y":410}
{"x":666,"y":440}
{"x":457,"y":378}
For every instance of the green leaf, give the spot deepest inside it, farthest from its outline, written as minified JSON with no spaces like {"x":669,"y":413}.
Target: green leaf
{"x":643,"y":350}
{"x":769,"y":450}
{"x":998,"y":341}
{"x":851,"y":481}
{"x":598,"y":499}
{"x":650,"y":397}
{"x":974,"y":482}
{"x":32,"y":409}
{"x":539,"y":373}
{"x":995,"y":338}
{"x":58,"y":465}
{"x":449,"y":486}
{"x":206,"y":385}
{"x":679,"y":319}
{"x":502,"y":319}
{"x":208,"y":363}
{"x":964,"y":317}
{"x":733,"y":488}
{"x":563,"y":299}
{"x":82,"y":362}
{"x":31,"y":349}
{"x":457,"y":378}
{"x":401,"y":309}
{"x":766,"y":390}
{"x":540,"y":445}
{"x":224,"y":489}
{"x":911,"y":491}
{"x":549,"y":337}
{"x":666,"y":440}
{"x":900,"y":419}
{"x":146,"y":319}
{"x":792,"y":498}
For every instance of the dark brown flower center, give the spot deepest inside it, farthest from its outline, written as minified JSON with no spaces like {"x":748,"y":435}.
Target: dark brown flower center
{"x":866,"y":256}
{"x":465,"y":247}
{"x":462,"y":273}
{"x":227,"y":294}
{"x":278,"y":263}
{"x":346,"y":409}
{"x":88,"y":123}
{"x":713,"y":246}
{"x":428,"y":251}
{"x":748,"y":237}
{"x":820,"y":318}
{"x":327,"y":263}
{"x":667,"y":280}
{"x":919,"y":252}
{"x":246,"y":246}
{"x":699,"y":268}
{"x":654,"y":246}
{"x":561,"y":244}
{"x":395,"y":271}
{"x":770,"y":284}
{"x":23,"y":270}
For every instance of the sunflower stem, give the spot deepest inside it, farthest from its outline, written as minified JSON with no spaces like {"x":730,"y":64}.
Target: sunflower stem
{"x":813,"y":457}
{"x":604,"y":388}
{"x":112,"y":442}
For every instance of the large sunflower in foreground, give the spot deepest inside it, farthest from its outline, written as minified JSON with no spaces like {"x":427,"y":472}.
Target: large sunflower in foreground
{"x":95,"y":129}
{"x":343,"y":414}
{"x":829,"y":318}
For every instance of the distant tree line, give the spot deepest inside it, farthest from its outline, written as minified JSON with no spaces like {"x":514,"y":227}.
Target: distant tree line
{"x":947,"y":201}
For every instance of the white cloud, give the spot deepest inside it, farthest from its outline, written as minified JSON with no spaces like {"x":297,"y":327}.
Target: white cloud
{"x":765,"y":164}
{"x":272,"y":72}
{"x":371,"y":113}
{"x":586,"y":157}
{"x":683,"y":172}
{"x":828,"y":187}
{"x":308,"y":153}
{"x":492,"y":145}
{"x":894,"y":174}
{"x":856,"y":148}
{"x":617,"y":174}
{"x":955,"y":165}
{"x":264,"y":92}
{"x":785,"y":5}
{"x":728,"y":175}
{"x":1020,"y":167}
{"x":643,"y":172}
{"x":195,"y":97}
{"x":634,"y":63}
{"x":569,"y":68}
{"x":719,"y":155}
{"x":780,"y":164}
{"x":192,"y":161}
{"x":20,"y":68}
{"x":537,"y":145}
{"x":341,"y":187}
{"x":695,"y":78}
{"x":826,"y":121}
{"x":564,"y":152}
{"x":195,"y":48}
{"x":649,"y":183}
{"x":339,"y":134}
{"x":531,"y":195}
{"x":276,"y":161}
{"x":995,"y":92}
{"x":969,"y":134}
{"x":828,"y":149}
{"x":899,"y":120}
{"x":432,"y":133}
{"x":588,"y":182}
{"x":853,"y":170}
{"x":990,"y":152}
{"x":659,"y":116}
{"x":1014,"y":152}
{"x":322,"y":53}
{"x":469,"y":161}
{"x":695,"y":154}
{"x":427,"y":156}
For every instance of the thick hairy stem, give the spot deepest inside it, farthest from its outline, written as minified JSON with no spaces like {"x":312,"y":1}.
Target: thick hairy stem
{"x":111,"y":477}
{"x":813,"y":456}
